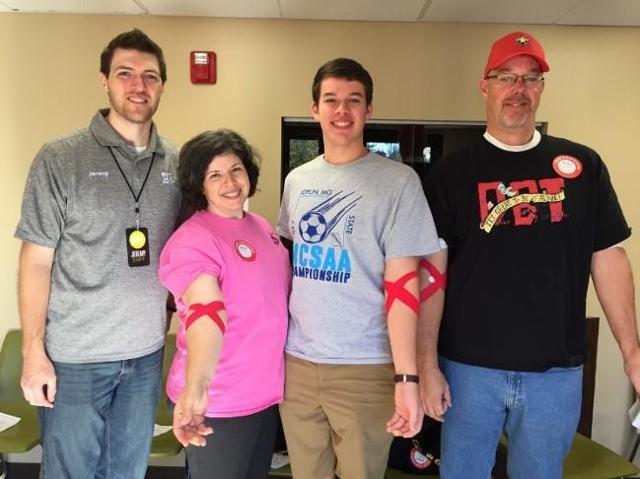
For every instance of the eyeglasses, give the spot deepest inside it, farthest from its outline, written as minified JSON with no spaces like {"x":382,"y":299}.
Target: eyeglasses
{"x":510,"y":79}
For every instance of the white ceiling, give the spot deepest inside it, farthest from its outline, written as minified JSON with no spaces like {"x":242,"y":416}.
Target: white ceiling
{"x":546,"y":12}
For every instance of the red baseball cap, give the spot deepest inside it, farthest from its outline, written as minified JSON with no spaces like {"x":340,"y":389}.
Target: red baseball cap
{"x":512,"y":45}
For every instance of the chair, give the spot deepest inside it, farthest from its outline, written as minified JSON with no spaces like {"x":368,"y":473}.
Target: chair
{"x":165,"y":444}
{"x":284,"y":471}
{"x":26,"y":434}
{"x":589,"y":460}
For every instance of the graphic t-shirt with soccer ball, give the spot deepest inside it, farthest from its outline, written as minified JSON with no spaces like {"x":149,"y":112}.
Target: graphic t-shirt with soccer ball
{"x":345,"y":221}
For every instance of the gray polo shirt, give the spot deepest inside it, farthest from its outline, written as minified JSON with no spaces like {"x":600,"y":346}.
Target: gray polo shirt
{"x":77,"y":202}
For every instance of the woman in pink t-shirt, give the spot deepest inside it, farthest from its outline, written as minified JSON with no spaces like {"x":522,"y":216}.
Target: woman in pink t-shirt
{"x":230,"y":277}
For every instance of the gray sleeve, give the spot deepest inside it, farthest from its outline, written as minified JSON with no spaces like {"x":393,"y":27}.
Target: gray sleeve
{"x":44,"y":202}
{"x":282,"y":224}
{"x":410,"y":230}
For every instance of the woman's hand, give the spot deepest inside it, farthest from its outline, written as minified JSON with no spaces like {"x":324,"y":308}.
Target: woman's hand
{"x":188,"y":416}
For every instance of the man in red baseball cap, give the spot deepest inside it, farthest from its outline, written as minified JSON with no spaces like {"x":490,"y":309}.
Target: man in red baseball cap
{"x":513,"y":45}
{"x":527,"y":218}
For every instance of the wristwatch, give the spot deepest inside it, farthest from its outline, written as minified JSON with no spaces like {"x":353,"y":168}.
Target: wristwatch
{"x":406,"y":378}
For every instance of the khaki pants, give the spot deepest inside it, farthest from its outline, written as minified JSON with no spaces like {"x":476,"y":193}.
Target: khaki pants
{"x":334,"y":419}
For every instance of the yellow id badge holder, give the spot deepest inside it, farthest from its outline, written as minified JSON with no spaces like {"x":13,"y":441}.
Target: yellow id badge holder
{"x":137,"y":247}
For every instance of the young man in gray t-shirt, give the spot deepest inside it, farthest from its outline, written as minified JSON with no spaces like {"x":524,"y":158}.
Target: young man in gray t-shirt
{"x":359,"y":224}
{"x":98,"y":206}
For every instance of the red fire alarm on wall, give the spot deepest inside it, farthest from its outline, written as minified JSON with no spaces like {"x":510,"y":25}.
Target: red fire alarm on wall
{"x":203,"y":67}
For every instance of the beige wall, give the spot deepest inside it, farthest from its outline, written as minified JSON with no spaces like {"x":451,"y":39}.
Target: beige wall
{"x":49,"y":86}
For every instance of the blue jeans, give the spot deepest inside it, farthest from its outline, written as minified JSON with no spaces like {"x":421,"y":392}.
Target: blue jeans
{"x":101,"y":423}
{"x":537,"y":411}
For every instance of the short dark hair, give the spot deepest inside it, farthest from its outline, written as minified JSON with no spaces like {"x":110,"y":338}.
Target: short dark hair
{"x":133,"y":40}
{"x":197,"y":153}
{"x":347,"y":69}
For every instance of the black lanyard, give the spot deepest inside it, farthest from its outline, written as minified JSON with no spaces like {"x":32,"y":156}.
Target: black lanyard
{"x":135,"y":197}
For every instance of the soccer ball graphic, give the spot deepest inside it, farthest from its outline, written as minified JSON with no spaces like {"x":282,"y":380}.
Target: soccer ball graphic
{"x":313,"y":227}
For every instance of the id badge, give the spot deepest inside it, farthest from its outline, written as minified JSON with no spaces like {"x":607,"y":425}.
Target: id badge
{"x":137,"y":247}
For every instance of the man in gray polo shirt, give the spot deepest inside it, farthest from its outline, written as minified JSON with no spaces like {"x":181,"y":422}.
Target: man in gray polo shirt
{"x":98,"y":206}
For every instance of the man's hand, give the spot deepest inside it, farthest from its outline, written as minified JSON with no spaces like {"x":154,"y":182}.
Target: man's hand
{"x":632,"y":369}
{"x":434,"y":393}
{"x":407,"y":419}
{"x":188,"y":417}
{"x":613,"y":281}
{"x":38,"y":379}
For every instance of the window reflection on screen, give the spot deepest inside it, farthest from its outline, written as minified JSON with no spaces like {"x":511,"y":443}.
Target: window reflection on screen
{"x":301,"y":151}
{"x":388,"y":150}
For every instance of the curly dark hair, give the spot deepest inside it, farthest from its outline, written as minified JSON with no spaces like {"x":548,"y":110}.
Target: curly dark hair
{"x":133,"y":40}
{"x":347,"y":69}
{"x":196,"y":155}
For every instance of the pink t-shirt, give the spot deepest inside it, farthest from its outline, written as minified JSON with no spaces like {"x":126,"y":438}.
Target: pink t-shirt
{"x":253,"y":271}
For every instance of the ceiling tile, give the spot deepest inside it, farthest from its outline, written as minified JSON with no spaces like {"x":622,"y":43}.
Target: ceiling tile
{"x":603,"y":12}
{"x":76,"y":6}
{"x":363,"y":10}
{"x":217,"y":8}
{"x":499,"y":11}
{"x":543,"y":12}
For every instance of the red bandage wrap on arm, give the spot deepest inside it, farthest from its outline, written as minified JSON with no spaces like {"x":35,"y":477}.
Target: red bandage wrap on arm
{"x":396,"y":290}
{"x":437,"y":280}
{"x":210,"y":310}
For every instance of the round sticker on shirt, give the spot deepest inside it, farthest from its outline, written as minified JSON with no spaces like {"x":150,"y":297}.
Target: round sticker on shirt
{"x":567,"y":166}
{"x":245,"y":250}
{"x":419,"y":460}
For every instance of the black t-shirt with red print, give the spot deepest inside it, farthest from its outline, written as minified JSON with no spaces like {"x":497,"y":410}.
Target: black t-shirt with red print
{"x":521,"y":228}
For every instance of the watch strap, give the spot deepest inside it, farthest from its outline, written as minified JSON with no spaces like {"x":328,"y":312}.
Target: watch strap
{"x":406,"y":378}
